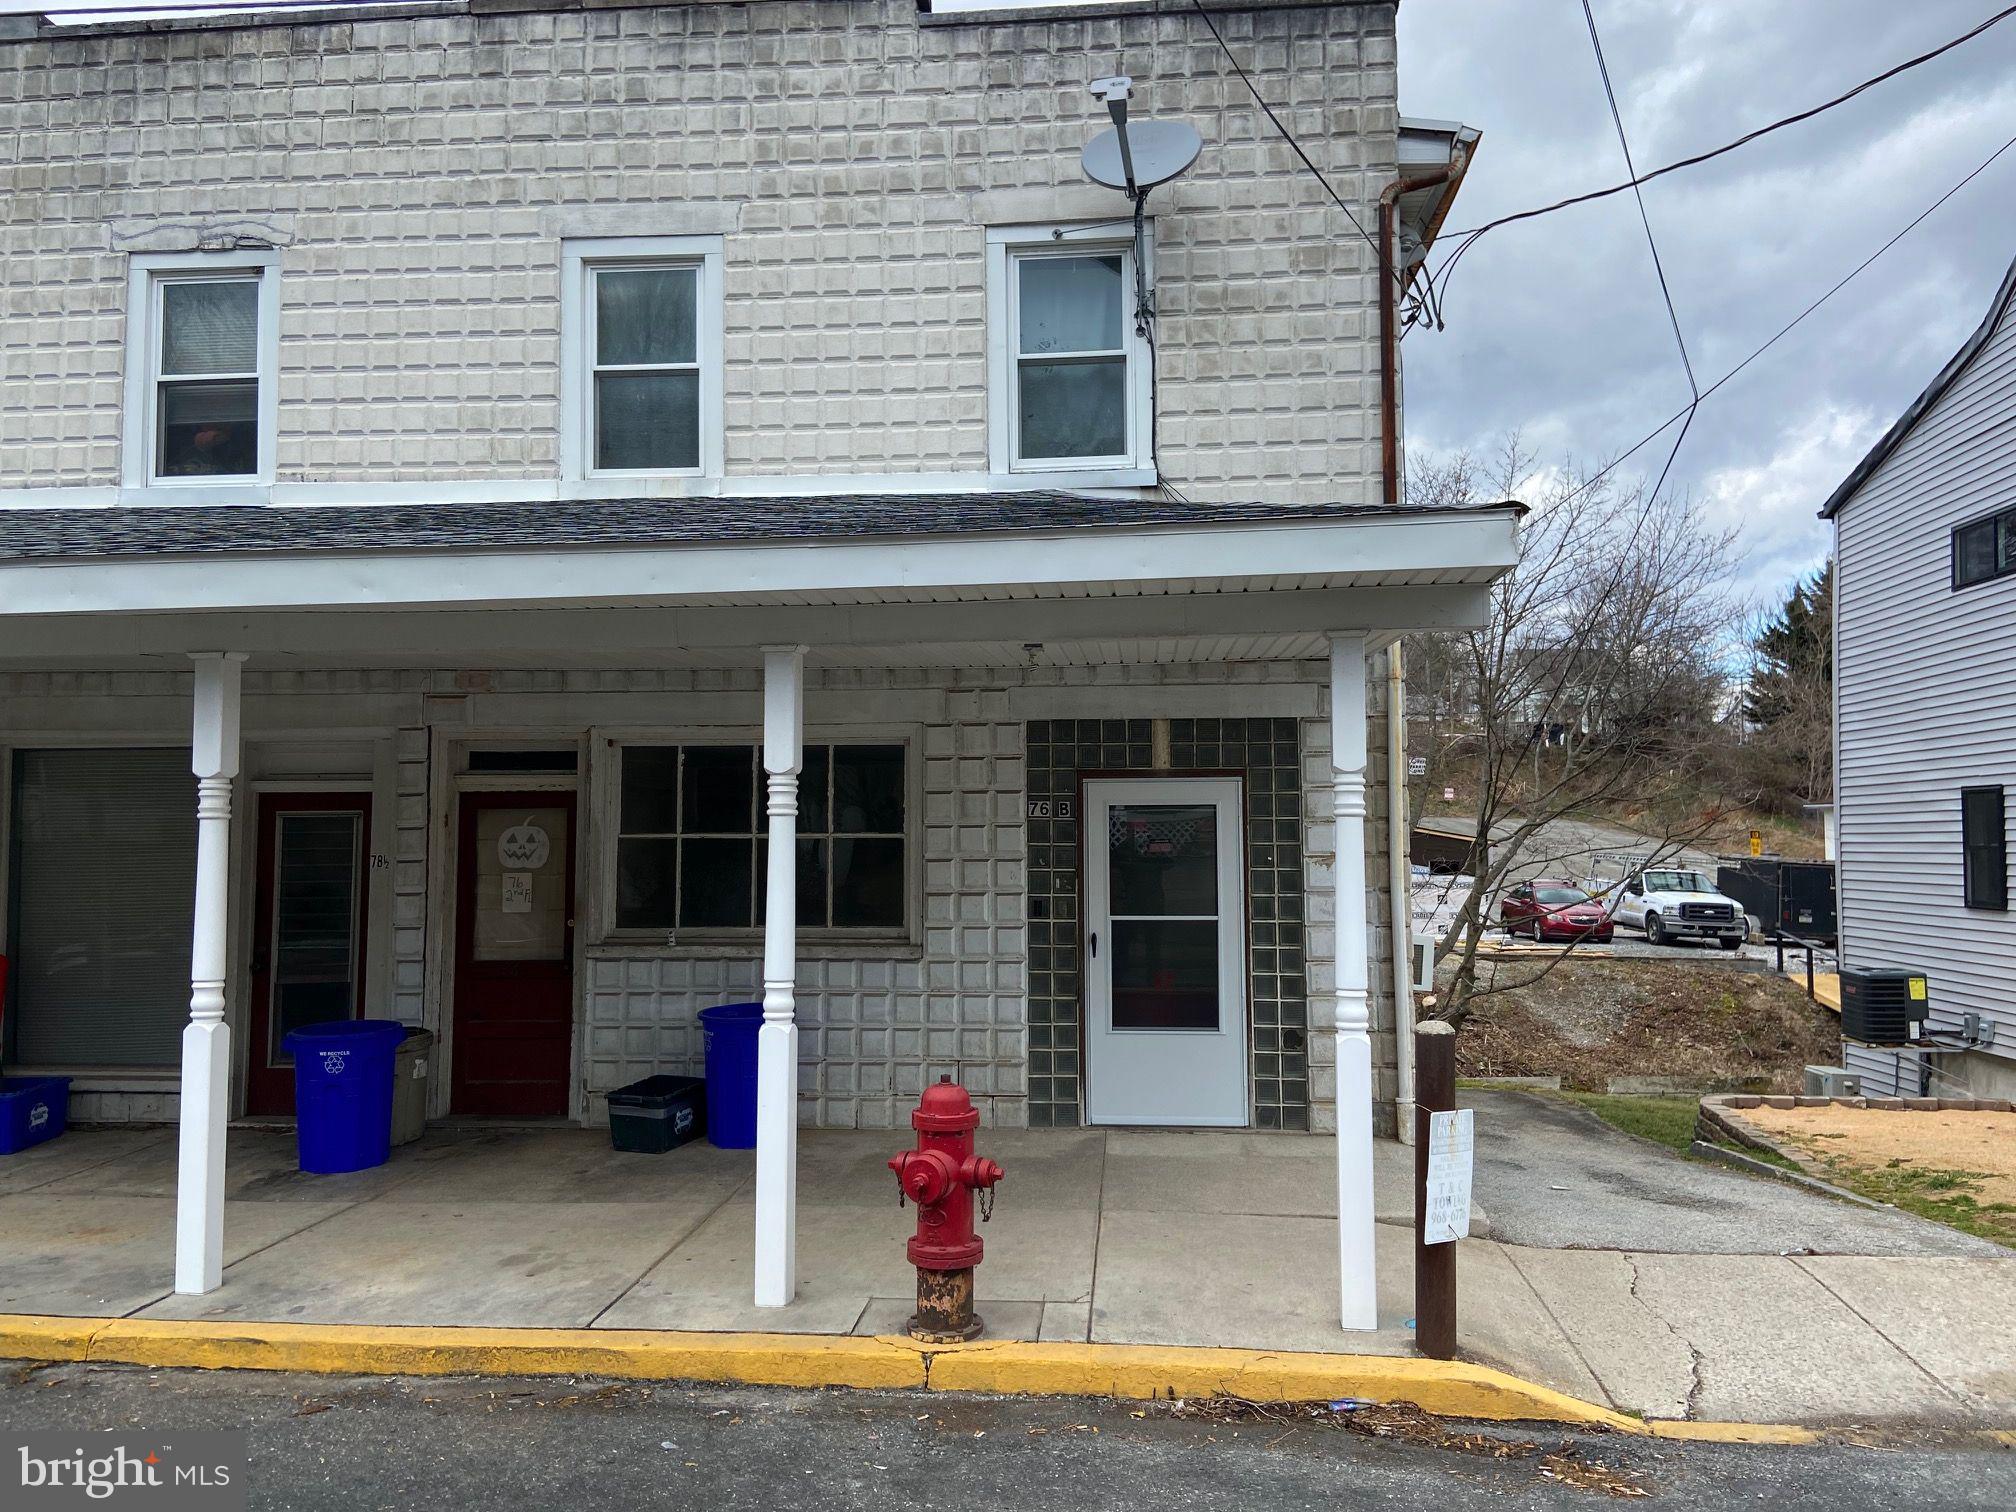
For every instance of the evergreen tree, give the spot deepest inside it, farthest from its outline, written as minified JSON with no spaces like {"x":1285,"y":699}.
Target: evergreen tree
{"x":1794,"y":652}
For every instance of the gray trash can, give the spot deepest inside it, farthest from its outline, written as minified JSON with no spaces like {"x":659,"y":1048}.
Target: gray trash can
{"x":409,"y":1085}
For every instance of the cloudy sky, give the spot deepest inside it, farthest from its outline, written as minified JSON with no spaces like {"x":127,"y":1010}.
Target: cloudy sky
{"x":1555,"y":327}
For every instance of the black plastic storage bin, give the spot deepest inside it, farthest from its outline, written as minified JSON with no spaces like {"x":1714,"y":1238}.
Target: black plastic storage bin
{"x":657,"y":1114}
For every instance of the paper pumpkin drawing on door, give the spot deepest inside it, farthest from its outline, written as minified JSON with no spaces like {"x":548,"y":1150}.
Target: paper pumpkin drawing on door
{"x":524,"y":847}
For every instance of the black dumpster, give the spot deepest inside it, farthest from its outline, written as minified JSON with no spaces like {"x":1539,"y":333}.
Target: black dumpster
{"x":1784,"y":897}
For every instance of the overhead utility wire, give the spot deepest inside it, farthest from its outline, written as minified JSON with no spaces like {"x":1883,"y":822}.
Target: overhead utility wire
{"x":1686,"y":411}
{"x":1468,"y":237}
{"x":1658,"y":265}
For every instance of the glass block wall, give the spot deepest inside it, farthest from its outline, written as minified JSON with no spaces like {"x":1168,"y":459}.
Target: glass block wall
{"x":1266,"y":754}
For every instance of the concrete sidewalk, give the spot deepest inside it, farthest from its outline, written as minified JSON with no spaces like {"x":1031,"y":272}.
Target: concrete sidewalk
{"x":1125,"y":1237}
{"x":1684,"y":1289}
{"x":1122,"y":1237}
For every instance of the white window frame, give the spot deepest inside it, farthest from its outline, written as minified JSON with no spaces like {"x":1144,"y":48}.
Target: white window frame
{"x":580,"y":260}
{"x":147,"y":273}
{"x":1007,"y":248}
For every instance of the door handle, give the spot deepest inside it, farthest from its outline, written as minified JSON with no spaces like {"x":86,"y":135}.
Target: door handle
{"x":1095,"y":944}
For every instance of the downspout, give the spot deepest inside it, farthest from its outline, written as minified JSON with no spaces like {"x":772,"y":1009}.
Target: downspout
{"x":1399,"y":875}
{"x":1389,"y":339}
{"x":1399,"y":885}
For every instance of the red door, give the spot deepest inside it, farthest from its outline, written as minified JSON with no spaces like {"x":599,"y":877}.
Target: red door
{"x":514,"y":954}
{"x":307,"y":930}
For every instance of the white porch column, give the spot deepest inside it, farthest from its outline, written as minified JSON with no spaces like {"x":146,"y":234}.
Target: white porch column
{"x":1355,"y":1245}
{"x":206,"y":1042}
{"x":777,"y":1042}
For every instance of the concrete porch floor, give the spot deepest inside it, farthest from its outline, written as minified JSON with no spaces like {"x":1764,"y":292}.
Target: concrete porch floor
{"x":1113,"y":1236}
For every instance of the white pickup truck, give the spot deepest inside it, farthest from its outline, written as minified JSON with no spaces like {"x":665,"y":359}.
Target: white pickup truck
{"x":1672,"y":903}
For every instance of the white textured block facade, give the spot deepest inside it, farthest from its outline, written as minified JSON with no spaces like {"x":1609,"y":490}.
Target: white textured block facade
{"x":875,"y":1025}
{"x":418,"y":176}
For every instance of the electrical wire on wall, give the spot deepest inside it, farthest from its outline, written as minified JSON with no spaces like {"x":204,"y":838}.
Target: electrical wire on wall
{"x":1288,"y":136}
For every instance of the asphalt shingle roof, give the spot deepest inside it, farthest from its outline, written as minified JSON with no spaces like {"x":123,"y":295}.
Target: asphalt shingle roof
{"x":185,"y":530}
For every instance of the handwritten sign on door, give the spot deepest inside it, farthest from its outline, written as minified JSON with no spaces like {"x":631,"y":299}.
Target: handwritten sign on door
{"x":517,"y":895}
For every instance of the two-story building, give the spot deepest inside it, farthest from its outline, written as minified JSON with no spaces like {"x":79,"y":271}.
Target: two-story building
{"x":1925,"y":715}
{"x":532,"y":518}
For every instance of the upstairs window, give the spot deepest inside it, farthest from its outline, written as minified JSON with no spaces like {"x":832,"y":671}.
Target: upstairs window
{"x":200,"y":369}
{"x":1984,"y":837}
{"x":643,"y":369}
{"x":691,"y":852}
{"x":1071,"y":373}
{"x":1984,"y":549}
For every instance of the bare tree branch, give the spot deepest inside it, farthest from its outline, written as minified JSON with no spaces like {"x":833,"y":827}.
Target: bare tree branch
{"x":1596,"y":682}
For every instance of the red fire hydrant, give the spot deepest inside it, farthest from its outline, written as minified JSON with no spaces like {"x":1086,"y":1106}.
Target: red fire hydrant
{"x":940,"y":1176}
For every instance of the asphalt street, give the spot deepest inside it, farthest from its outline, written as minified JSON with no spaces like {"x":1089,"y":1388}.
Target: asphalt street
{"x":350,"y":1445}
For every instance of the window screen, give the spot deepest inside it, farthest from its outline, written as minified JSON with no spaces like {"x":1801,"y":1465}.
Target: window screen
{"x":691,"y":853}
{"x":1071,"y":357}
{"x":104,"y":874}
{"x":1984,"y":834}
{"x":647,"y":368}
{"x":207,"y":385}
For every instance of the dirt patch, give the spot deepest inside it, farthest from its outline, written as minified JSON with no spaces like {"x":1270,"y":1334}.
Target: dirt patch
{"x":1587,"y":1021}
{"x":1982,"y":1145}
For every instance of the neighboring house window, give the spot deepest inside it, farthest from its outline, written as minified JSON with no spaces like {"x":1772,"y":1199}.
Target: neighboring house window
{"x":203,"y":343}
{"x":1984,"y":549}
{"x":1071,"y":374}
{"x":1984,"y":834}
{"x":642,"y":370}
{"x":691,"y":852}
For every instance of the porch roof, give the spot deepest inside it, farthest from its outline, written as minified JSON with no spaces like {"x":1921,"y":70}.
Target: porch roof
{"x":237,"y":529}
{"x":932,"y":579}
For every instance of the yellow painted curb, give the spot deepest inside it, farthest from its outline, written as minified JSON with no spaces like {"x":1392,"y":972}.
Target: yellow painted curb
{"x":29,"y":1336}
{"x":1449,"y":1388}
{"x":636,"y":1355}
{"x":1734,"y":1433}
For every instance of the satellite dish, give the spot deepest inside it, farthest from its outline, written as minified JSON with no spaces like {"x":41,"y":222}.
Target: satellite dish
{"x":1161,"y":151}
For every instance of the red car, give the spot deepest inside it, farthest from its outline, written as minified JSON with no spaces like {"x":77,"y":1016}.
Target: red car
{"x":1549,"y":909}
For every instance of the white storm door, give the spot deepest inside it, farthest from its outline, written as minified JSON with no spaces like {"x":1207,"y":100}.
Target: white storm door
{"x":1165,"y":951}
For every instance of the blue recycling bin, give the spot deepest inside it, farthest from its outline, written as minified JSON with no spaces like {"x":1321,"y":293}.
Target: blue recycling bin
{"x":343,"y":1093}
{"x":728,"y":1035}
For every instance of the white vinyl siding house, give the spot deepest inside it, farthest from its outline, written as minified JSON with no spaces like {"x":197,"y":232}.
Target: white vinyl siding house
{"x":1925,"y":691}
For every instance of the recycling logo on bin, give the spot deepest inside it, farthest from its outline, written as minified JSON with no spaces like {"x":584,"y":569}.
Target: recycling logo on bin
{"x":333,"y":1061}
{"x":38,"y":1115}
